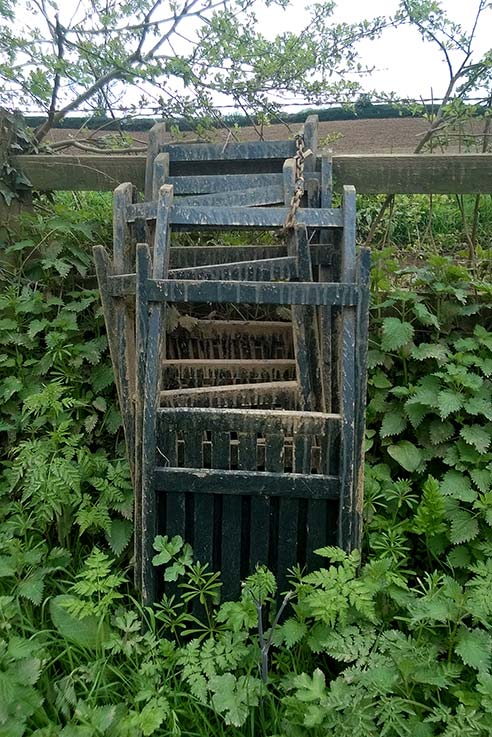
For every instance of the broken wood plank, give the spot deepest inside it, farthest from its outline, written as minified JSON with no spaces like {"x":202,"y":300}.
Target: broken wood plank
{"x":258,"y":270}
{"x":234,"y":395}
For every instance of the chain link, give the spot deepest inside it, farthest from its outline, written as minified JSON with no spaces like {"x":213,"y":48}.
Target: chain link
{"x":300,"y":156}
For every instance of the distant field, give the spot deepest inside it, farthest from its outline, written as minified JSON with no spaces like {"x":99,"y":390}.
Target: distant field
{"x":386,"y":135}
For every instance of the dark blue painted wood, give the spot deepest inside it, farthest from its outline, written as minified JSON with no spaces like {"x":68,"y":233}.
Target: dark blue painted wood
{"x":217,"y":218}
{"x":251,"y":197}
{"x":202,"y":482}
{"x":230,"y":151}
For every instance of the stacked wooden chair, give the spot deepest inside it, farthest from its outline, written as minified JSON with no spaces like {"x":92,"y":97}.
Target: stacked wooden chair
{"x":252,"y":451}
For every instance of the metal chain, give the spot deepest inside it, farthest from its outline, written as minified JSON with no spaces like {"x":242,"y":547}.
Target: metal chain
{"x":295,"y":202}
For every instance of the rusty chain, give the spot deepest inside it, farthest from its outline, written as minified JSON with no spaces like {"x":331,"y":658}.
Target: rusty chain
{"x":300,"y":156}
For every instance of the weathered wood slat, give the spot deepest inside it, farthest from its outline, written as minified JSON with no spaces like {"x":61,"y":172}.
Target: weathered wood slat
{"x":196,"y":373}
{"x":160,"y":175}
{"x":310,"y":133}
{"x":252,"y":197}
{"x":124,"y":318}
{"x":143,"y":268}
{"x":362,"y":331}
{"x":184,"y":257}
{"x":157,"y":138}
{"x":277,"y":293}
{"x":104,"y":269}
{"x":213,"y":328}
{"x":369,"y":173}
{"x":235,"y":395}
{"x":304,"y":331}
{"x":232,"y":151}
{"x":248,"y":420}
{"x":198,"y":185}
{"x":202,"y":481}
{"x":201,"y":218}
{"x":347,"y":380}
{"x":228,"y":522}
{"x":154,"y":354}
{"x":259,"y":270}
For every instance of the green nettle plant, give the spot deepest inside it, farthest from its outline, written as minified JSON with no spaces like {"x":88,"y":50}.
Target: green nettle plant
{"x":392,"y":640}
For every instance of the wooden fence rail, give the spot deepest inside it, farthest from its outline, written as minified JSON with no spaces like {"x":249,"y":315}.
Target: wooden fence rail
{"x":370,"y":174}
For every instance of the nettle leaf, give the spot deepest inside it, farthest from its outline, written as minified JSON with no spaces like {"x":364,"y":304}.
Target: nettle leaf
{"x":478,"y":406}
{"x":375,"y":358}
{"x":458,"y":486}
{"x":464,"y":526}
{"x":10,"y":385}
{"x":430,"y":350}
{"x":416,"y":413}
{"x":486,"y":365}
{"x":474,"y":648}
{"x":478,"y":436}
{"x":406,"y":454}
{"x":426,"y":392}
{"x":440,"y":431}
{"x":448,"y":402}
{"x":482,"y":478}
{"x":380,"y":380}
{"x":396,"y":333}
{"x":424,"y":315}
{"x":293,"y":631}
{"x":394,"y":422}
{"x":459,"y":557}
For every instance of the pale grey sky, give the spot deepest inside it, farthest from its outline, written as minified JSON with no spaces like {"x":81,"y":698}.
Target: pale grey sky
{"x":403,"y":62}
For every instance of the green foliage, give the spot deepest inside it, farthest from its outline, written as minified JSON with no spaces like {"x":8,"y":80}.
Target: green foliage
{"x":392,"y":640}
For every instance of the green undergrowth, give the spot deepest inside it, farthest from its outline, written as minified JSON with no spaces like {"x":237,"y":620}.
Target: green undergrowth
{"x":393,"y":641}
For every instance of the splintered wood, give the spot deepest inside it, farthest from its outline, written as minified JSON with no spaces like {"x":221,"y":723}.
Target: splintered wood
{"x":240,"y":369}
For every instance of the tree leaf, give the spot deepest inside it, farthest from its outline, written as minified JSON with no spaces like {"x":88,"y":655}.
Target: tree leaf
{"x":406,"y":454}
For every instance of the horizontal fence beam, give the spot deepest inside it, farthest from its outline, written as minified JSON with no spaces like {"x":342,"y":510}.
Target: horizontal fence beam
{"x":370,"y":174}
